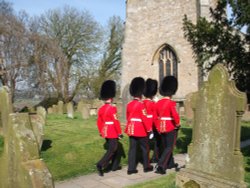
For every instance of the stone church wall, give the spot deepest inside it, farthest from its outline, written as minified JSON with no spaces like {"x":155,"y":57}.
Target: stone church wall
{"x":150,"y":24}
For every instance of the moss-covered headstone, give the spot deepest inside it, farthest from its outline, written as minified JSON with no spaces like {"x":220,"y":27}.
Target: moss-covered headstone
{"x":215,"y":157}
{"x":5,"y":108}
{"x":20,"y":163}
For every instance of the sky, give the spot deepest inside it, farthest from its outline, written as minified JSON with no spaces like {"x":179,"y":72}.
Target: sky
{"x":101,"y":10}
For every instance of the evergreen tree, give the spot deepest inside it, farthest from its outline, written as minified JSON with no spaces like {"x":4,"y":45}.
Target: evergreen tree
{"x":220,"y":40}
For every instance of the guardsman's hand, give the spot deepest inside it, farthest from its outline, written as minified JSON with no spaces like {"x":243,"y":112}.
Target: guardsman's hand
{"x":177,"y":127}
{"x":151,"y":135}
{"x":120,"y":136}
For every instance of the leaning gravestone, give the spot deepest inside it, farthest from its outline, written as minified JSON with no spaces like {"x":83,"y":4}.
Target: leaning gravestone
{"x":215,"y":160}
{"x":21,"y":166}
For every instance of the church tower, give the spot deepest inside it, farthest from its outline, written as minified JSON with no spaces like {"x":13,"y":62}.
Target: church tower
{"x":154,"y":44}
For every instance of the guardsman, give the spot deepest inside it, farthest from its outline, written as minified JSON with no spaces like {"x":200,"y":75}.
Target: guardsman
{"x":108,"y":127}
{"x":149,"y":93}
{"x":168,"y":122}
{"x":138,"y":127}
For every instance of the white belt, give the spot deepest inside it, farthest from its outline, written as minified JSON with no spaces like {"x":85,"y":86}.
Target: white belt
{"x":136,"y":119}
{"x":109,"y":123}
{"x":166,"y":118}
{"x":149,"y":116}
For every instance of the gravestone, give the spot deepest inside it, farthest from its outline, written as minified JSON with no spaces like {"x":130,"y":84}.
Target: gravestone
{"x":50,"y":110}
{"x":38,"y":123}
{"x":80,"y":105}
{"x":54,"y":108}
{"x":93,"y":111}
{"x":60,"y":107}
{"x":70,"y":110}
{"x":215,"y":159}
{"x":21,"y":166}
{"x":31,"y":109}
{"x":119,"y":108}
{"x":42,"y":112}
{"x":85,"y":111}
{"x":96,"y":103}
{"x":5,"y":108}
{"x":189,"y":115}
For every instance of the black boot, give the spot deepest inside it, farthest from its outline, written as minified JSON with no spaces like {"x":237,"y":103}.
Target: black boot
{"x":99,"y":169}
{"x":132,"y":172}
{"x":148,"y":169}
{"x":160,"y":170}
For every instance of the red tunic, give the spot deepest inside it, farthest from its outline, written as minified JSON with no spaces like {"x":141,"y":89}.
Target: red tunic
{"x":150,"y":108}
{"x":137,"y":121}
{"x":107,"y":122}
{"x":167,"y":116}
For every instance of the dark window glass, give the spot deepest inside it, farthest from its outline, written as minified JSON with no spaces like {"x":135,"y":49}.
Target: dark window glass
{"x":167,"y":63}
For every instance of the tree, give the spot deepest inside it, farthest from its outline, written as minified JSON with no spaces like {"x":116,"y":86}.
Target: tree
{"x":110,"y":64}
{"x":13,"y":46}
{"x":241,"y":14}
{"x":220,"y":40}
{"x":67,"y":41}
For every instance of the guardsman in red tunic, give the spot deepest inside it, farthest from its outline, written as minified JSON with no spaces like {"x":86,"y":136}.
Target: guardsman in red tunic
{"x":108,"y":127}
{"x":138,"y":127}
{"x":149,"y":93}
{"x":168,"y":122}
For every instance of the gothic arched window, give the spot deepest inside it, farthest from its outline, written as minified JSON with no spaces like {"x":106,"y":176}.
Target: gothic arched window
{"x":167,"y":63}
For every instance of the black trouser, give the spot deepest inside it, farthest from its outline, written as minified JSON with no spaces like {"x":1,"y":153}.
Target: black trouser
{"x":143,"y":141}
{"x":168,"y":141}
{"x":157,"y":146}
{"x":112,"y":145}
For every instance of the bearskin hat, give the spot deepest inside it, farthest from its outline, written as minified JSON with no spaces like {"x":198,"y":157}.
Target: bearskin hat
{"x":150,"y":88}
{"x":108,"y":90}
{"x":169,"y":86}
{"x":137,"y":86}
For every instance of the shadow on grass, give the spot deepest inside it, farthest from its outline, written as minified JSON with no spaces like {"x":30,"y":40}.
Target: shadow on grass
{"x":245,"y":133}
{"x":184,"y":139}
{"x":1,"y":144}
{"x":246,"y":152}
{"x":46,"y":145}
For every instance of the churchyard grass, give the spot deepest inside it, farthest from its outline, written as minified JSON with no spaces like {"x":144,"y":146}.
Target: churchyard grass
{"x":246,"y":153}
{"x":75,"y":146}
{"x":72,"y":146}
